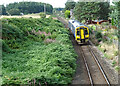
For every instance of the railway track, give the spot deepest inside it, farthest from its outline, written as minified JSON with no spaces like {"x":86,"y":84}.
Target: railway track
{"x":94,"y":69}
{"x":63,"y":21}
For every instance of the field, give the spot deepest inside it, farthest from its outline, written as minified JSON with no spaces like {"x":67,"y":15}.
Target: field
{"x":36,"y":52}
{"x":25,"y":16}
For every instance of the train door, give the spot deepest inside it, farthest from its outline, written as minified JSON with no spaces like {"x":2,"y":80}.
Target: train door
{"x":82,"y":33}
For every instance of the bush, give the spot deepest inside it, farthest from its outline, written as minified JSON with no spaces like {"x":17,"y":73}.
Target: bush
{"x":5,"y":47}
{"x":14,"y":11}
{"x":54,"y":35}
{"x":42,"y":15}
{"x":67,"y":14}
{"x":115,"y":53}
{"x":98,"y":35}
{"x":42,"y":36}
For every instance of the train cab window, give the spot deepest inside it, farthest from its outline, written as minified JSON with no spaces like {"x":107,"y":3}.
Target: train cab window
{"x":85,"y":31}
{"x":78,"y":32}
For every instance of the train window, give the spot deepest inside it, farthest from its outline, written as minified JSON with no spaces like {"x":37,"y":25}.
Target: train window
{"x":78,"y":32}
{"x":85,"y":31}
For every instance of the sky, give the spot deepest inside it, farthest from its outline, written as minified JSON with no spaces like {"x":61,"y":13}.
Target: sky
{"x":54,"y":3}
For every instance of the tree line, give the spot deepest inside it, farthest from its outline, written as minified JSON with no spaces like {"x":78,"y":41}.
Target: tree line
{"x":93,"y":10}
{"x":26,"y":7}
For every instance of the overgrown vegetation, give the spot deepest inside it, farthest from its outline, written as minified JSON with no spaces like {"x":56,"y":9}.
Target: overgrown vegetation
{"x":105,"y":37}
{"x":27,"y":59}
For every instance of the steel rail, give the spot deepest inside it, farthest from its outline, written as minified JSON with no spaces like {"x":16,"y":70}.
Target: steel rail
{"x":99,"y":66}
{"x":88,"y":70}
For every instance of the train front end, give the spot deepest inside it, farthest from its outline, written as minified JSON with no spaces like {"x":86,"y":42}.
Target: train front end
{"x":82,"y":34}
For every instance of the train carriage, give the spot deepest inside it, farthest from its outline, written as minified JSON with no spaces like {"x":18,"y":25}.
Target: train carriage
{"x":79,"y":30}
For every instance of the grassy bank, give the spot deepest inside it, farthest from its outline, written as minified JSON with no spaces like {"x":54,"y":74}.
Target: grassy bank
{"x":36,"y":51}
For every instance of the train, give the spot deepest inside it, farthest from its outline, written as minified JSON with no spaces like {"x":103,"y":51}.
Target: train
{"x":79,"y":30}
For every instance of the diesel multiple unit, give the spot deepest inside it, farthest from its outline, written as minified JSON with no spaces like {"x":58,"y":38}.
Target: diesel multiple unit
{"x":79,"y":30}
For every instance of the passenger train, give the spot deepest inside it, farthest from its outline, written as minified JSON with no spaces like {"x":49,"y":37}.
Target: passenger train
{"x":79,"y":30}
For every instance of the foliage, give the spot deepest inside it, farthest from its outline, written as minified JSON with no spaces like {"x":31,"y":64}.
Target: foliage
{"x":86,"y":10}
{"x":3,"y":10}
{"x":117,"y":68}
{"x":5,"y":47}
{"x":114,"y":14}
{"x":30,"y":7}
{"x":114,"y":63}
{"x":34,"y":62}
{"x":42,"y":15}
{"x":67,"y":14}
{"x":104,"y":10}
{"x":98,"y":35}
{"x":14,"y":12}
{"x":91,"y":10}
{"x":70,"y":4}
{"x":59,"y":9}
{"x":115,"y":53}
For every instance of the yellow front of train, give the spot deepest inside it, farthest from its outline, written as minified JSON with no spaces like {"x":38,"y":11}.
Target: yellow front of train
{"x":82,"y":34}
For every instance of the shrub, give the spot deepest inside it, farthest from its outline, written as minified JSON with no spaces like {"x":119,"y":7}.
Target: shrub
{"x":115,"y":53}
{"x":114,"y":63}
{"x":42,"y":15}
{"x":42,"y":36}
{"x":98,"y":35}
{"x":67,"y":14}
{"x":54,"y":35}
{"x":14,"y":11}
{"x":5,"y":47}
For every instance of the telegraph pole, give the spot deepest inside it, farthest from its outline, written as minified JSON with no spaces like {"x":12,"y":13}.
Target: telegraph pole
{"x":44,"y":9}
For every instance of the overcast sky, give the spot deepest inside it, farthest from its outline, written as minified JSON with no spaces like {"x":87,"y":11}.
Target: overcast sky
{"x":54,"y":3}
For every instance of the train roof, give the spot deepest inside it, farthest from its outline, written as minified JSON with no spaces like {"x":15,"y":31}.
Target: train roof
{"x":76,"y":23}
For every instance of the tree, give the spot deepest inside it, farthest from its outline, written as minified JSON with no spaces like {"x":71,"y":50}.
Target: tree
{"x":91,"y":10}
{"x":104,"y":10}
{"x":67,"y":14}
{"x":14,"y":12}
{"x":86,"y":11}
{"x":30,"y":7}
{"x":115,"y":13}
{"x":70,"y":4}
{"x":3,"y":10}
